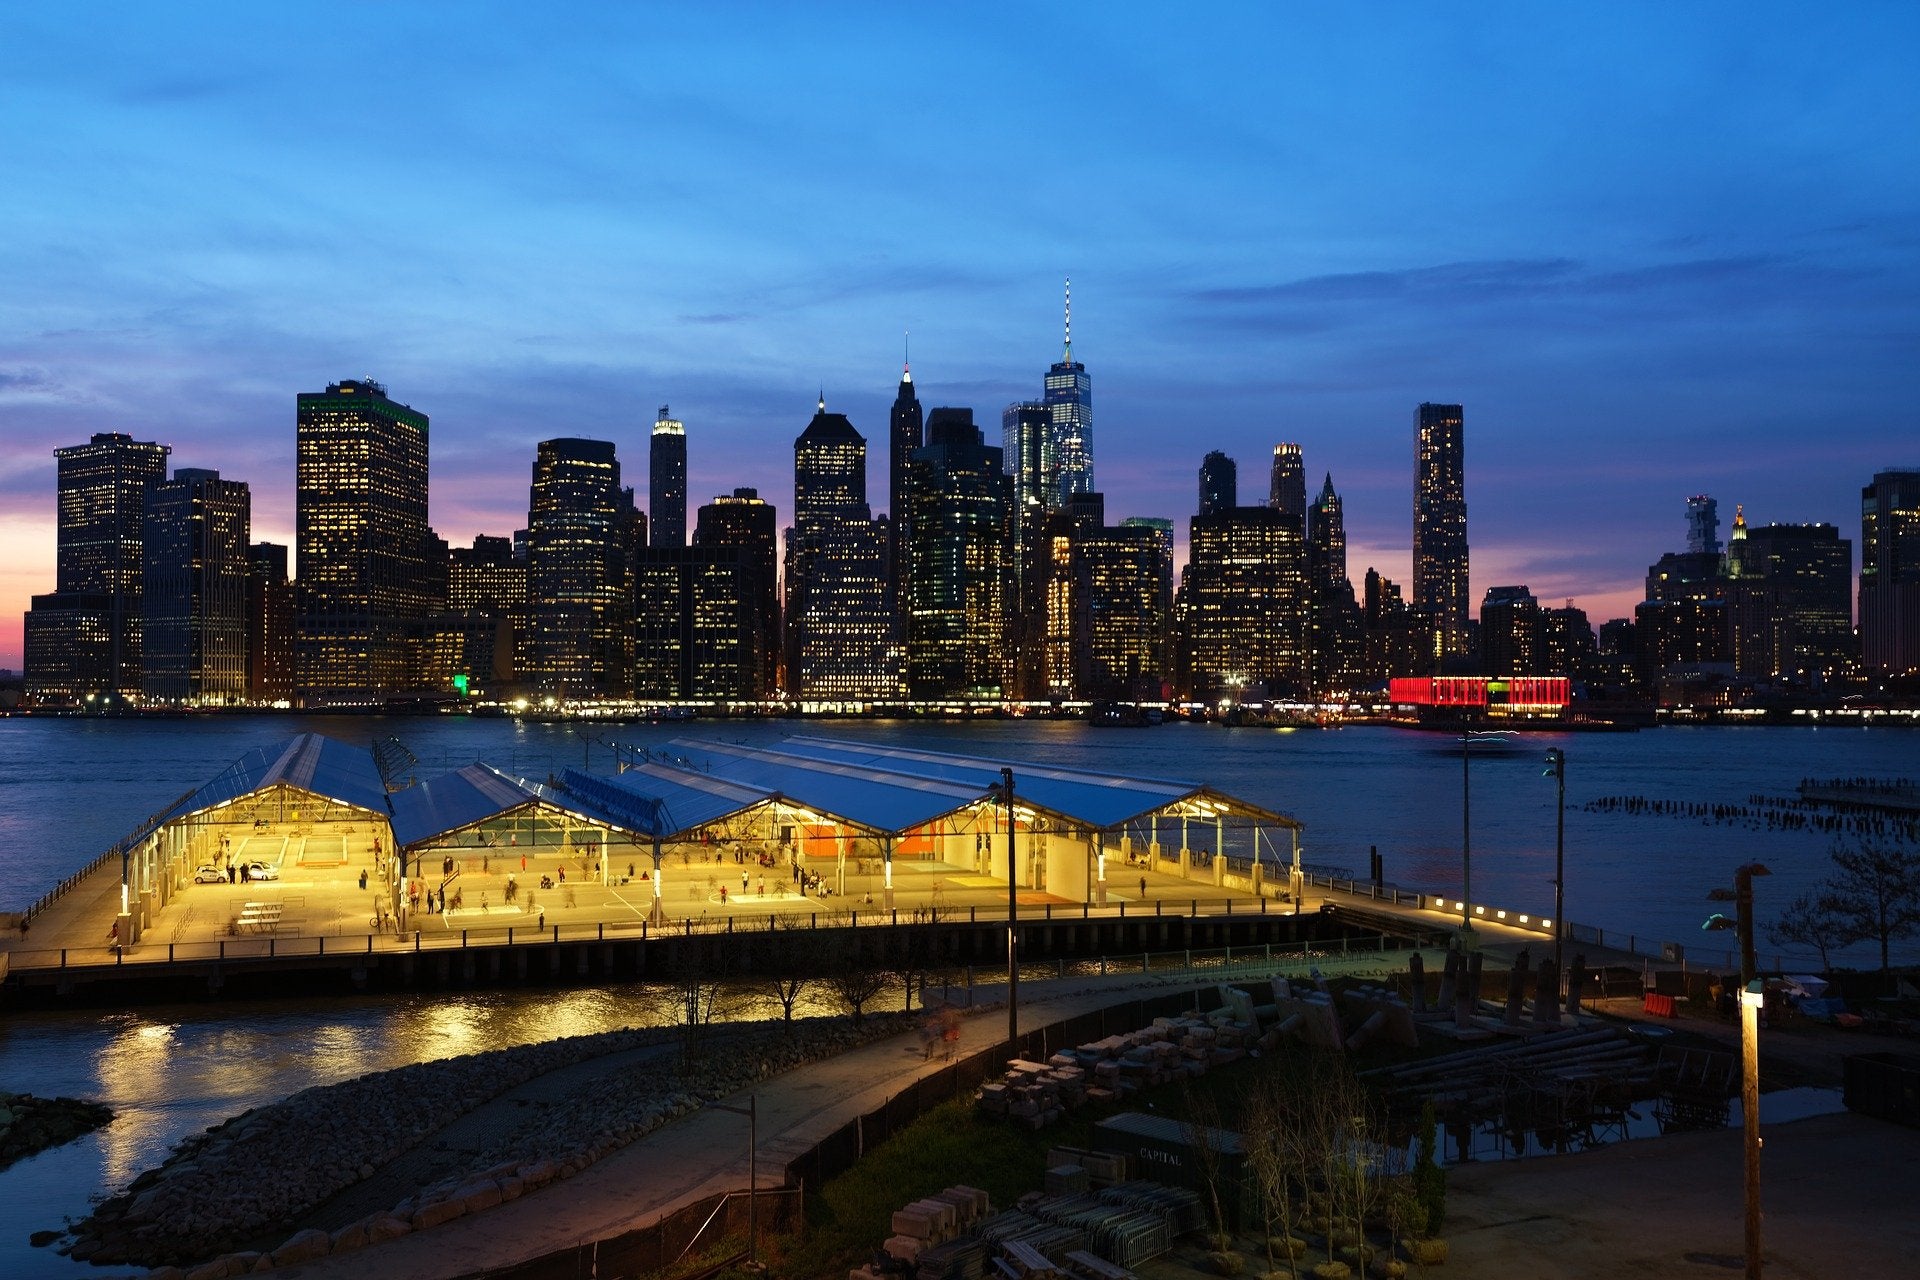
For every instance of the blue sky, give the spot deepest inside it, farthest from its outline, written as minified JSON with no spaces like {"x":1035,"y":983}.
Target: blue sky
{"x":1654,"y":249}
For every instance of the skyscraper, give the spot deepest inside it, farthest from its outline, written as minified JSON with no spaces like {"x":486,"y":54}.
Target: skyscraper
{"x":362,"y":545}
{"x":1219,"y":483}
{"x":1069,"y":401}
{"x":269,"y":624}
{"x":959,"y":502}
{"x":1337,"y":635}
{"x":1124,"y":584}
{"x":904,"y":436}
{"x":667,"y":482}
{"x":84,"y":637}
{"x":194,"y":638}
{"x":840,"y":641}
{"x":1440,"y":522}
{"x":1246,"y":605}
{"x":1511,"y":643}
{"x":743,"y":520}
{"x":486,"y":620}
{"x":1026,"y":438}
{"x":1326,"y":529}
{"x":1703,"y":525}
{"x":1790,"y":597}
{"x":579,"y":638}
{"x":1287,"y":484}
{"x":1890,"y":574}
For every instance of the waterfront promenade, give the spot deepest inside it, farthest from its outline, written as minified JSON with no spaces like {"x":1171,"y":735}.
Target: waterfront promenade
{"x":1667,"y":1206}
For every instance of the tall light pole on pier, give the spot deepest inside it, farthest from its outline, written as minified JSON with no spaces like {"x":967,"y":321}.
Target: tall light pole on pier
{"x":1013,"y":916}
{"x":1752,"y":998}
{"x":1466,"y":830}
{"x":1557,"y":769}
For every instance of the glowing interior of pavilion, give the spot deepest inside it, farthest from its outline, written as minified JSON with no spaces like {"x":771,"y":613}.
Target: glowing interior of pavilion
{"x":809,"y":817}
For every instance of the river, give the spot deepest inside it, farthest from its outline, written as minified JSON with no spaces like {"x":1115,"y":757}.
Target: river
{"x":70,"y":788}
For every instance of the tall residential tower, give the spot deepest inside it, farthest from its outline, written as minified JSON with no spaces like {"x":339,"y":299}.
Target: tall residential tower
{"x":84,"y":638}
{"x":904,"y":436}
{"x":667,"y":482}
{"x":363,"y":550}
{"x":1287,"y":483}
{"x":1440,"y":523}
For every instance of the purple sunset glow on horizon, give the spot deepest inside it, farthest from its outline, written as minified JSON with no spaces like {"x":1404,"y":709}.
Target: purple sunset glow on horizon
{"x":1654,"y":251}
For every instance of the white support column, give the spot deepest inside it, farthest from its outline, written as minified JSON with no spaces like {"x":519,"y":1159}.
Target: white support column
{"x":659,"y":914}
{"x":886,"y":851}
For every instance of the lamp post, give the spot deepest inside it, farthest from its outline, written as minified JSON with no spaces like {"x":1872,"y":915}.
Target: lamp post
{"x":1557,"y":769}
{"x":1466,"y":830}
{"x":1752,"y":999}
{"x":1741,"y":895}
{"x":752,"y":1112}
{"x":1013,"y":917}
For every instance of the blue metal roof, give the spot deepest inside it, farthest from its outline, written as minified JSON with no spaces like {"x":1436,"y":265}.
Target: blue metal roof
{"x":1101,"y":800}
{"x":315,"y":764}
{"x":666,"y":801}
{"x":454,"y":801}
{"x":880,"y":801}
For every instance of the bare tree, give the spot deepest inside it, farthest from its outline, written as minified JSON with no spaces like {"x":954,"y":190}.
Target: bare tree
{"x":856,"y":974}
{"x":1201,"y":1131}
{"x":1877,"y":893}
{"x":787,"y":989}
{"x":1812,"y":921}
{"x":701,"y":995}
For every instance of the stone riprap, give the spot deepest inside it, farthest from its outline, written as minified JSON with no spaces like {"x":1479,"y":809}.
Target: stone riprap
{"x":29,"y":1124}
{"x":234,"y":1185}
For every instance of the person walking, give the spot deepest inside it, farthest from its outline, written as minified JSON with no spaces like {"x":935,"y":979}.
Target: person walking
{"x":1143,"y":886}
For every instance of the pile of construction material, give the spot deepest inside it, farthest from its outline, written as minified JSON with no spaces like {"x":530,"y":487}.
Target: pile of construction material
{"x":1096,"y":1236}
{"x":1110,"y":1070}
{"x":929,"y":1222}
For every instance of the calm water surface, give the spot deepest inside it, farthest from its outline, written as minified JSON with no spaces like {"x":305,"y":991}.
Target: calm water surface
{"x":69,"y":789}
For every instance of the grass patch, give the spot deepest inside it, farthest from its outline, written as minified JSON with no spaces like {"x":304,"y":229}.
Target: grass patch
{"x":954,"y":1144}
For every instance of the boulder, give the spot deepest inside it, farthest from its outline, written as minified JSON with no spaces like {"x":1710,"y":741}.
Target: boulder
{"x":302,"y":1246}
{"x":351,"y":1236}
{"x":432,"y":1215}
{"x":477,"y":1196}
{"x":384,"y":1226}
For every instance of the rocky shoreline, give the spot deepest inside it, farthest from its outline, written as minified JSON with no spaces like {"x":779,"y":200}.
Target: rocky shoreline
{"x":240,"y":1180}
{"x":29,"y":1125}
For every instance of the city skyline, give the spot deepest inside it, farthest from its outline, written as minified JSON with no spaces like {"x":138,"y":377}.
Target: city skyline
{"x":1658,"y":283}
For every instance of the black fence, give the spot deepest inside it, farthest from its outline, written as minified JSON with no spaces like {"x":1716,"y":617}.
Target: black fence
{"x":713,"y":1231}
{"x":841,"y":1149}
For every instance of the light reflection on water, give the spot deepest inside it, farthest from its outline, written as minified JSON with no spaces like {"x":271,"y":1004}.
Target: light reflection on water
{"x":170,"y":1071}
{"x":68,"y":789}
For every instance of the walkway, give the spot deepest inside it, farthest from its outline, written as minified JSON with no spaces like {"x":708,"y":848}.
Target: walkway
{"x":705,"y":1152}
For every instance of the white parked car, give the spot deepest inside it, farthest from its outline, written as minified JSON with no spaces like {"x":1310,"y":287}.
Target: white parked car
{"x":262,"y":871}
{"x":207,"y":873}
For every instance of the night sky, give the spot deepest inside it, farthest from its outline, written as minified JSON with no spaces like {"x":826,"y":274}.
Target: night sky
{"x":1655,"y":250}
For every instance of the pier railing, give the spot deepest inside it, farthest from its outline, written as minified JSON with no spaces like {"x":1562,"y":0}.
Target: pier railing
{"x":290,"y":944}
{"x":66,"y":886}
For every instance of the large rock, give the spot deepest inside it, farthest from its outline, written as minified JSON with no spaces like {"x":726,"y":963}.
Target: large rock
{"x":302,"y":1246}
{"x":383,"y":1227}
{"x":432,"y":1215}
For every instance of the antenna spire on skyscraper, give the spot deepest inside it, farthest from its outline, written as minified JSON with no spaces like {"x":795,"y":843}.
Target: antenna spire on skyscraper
{"x":906,"y":355}
{"x":1069,"y":355}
